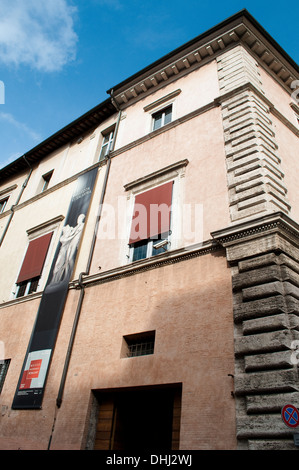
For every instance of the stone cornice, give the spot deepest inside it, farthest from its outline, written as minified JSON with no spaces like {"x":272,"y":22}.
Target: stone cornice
{"x":56,"y":186}
{"x":161,"y":260}
{"x":277,"y":222}
{"x":45,"y":225}
{"x":161,"y":101}
{"x":268,"y":54}
{"x":174,"y":167}
{"x":21,"y":300}
{"x":5,"y":192}
{"x":158,"y":261}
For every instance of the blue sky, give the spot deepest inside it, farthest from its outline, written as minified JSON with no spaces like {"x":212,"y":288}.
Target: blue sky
{"x":58,"y":58}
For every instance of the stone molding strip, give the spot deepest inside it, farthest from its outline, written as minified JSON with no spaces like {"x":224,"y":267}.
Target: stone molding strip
{"x":163,"y":259}
{"x":268,"y":223}
{"x":170,"y":168}
{"x":203,"y":51}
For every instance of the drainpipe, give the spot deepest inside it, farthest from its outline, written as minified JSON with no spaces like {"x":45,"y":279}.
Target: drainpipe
{"x":80,"y":281}
{"x":17,"y":201}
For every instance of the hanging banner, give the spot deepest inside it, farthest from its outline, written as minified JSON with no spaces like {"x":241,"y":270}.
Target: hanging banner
{"x":31,"y":385}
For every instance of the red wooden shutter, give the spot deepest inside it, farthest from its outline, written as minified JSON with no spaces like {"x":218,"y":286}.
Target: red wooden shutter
{"x":35,"y":257}
{"x":152,"y":212}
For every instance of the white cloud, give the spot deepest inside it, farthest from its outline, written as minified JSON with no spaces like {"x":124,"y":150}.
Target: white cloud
{"x":37,"y":34}
{"x":8,"y":118}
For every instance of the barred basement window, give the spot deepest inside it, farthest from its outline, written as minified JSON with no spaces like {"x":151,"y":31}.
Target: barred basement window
{"x":3,"y":371}
{"x":140,"y":344}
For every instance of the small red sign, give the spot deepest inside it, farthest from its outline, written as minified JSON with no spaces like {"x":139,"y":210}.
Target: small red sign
{"x":31,"y":373}
{"x":290,"y":416}
{"x":34,"y":369}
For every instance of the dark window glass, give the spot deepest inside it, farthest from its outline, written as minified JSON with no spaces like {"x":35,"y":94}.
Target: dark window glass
{"x":3,"y":203}
{"x":3,"y":371}
{"x":163,"y":117}
{"x":168,"y":115}
{"x":140,"y":250}
{"x":30,"y":286}
{"x":33,"y":285}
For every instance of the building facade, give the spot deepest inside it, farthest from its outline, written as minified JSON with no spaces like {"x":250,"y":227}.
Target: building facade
{"x":177,"y":327}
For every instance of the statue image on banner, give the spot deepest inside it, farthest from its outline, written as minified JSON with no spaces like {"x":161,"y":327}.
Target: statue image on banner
{"x":66,"y":257}
{"x":32,"y":381}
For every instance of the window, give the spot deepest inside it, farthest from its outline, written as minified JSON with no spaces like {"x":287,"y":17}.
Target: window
{"x":3,"y":203}
{"x":140,"y":344}
{"x":27,"y":287}
{"x":161,"y":118}
{"x":295,"y":108}
{"x":106,"y":144}
{"x":147,"y":248}
{"x":150,"y":228}
{"x":32,"y":265}
{"x":46,"y":180}
{"x":3,"y":371}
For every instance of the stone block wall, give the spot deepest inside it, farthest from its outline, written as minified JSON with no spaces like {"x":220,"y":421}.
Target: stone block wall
{"x":264,"y":259}
{"x":254,"y":175}
{"x":262,"y":249}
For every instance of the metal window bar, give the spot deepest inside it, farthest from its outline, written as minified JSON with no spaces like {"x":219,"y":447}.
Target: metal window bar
{"x":140,"y":349}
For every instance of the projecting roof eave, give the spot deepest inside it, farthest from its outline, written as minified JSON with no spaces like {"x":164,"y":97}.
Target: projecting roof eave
{"x":239,"y":28}
{"x":75,"y":129}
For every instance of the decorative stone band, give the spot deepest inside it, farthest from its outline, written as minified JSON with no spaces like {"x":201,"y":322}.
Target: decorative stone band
{"x":254,"y":174}
{"x":263,"y":255}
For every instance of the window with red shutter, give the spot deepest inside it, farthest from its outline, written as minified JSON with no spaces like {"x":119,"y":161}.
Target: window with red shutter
{"x":150,"y":228}
{"x":32,"y":265}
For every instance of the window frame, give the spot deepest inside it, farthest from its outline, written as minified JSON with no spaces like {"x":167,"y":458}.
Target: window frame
{"x":295,"y":109}
{"x":106,"y":145}
{"x":150,"y":247}
{"x":175,"y":173}
{"x":163,"y":116}
{"x":133,"y":345}
{"x":150,"y":242}
{"x":31,"y":286}
{"x":4,"y":365}
{"x":34,"y":233}
{"x":3,"y":203}
{"x":46,"y":178}
{"x":159,"y":105}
